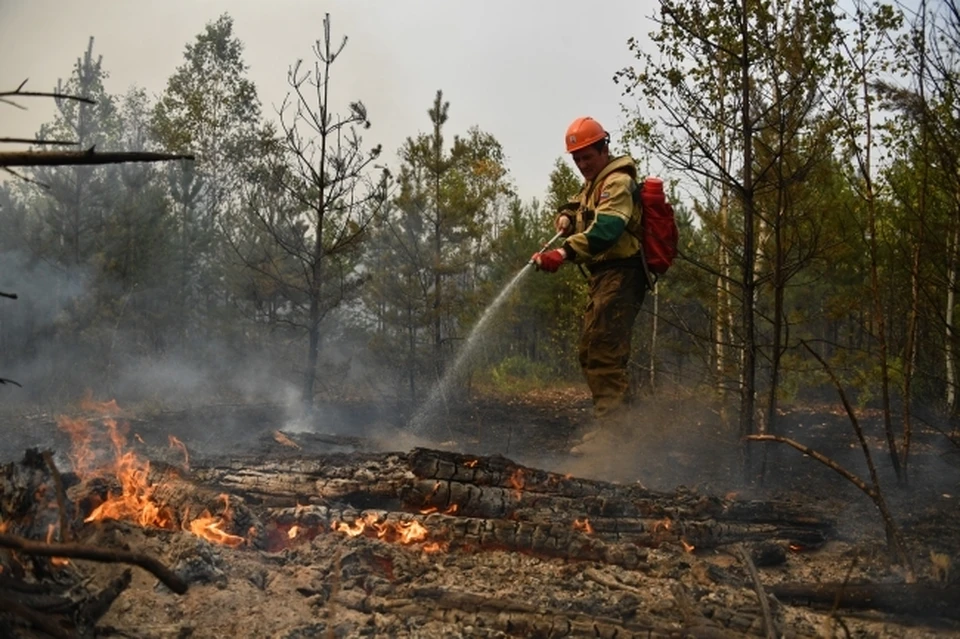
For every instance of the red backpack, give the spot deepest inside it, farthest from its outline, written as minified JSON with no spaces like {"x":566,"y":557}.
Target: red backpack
{"x":658,"y":233}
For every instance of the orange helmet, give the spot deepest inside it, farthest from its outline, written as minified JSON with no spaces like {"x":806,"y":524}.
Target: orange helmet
{"x":583,"y":132}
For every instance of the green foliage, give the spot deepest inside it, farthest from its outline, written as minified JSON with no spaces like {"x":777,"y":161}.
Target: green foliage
{"x":517,"y":374}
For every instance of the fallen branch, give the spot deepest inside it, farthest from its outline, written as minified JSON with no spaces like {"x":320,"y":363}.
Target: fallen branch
{"x":90,"y":156}
{"x":769,"y":629}
{"x":894,"y":537}
{"x":80,"y":551}
{"x":820,"y":457}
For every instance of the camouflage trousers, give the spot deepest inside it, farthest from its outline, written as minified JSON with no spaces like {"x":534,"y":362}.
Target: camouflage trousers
{"x":615,"y":297}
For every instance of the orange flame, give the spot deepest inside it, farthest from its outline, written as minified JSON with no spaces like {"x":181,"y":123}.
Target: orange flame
{"x":209,"y":527}
{"x":517,"y":482}
{"x":472,"y":463}
{"x":103,"y":408}
{"x":403,"y":532}
{"x":687,"y":547}
{"x":55,"y":561}
{"x":176,"y":443}
{"x":663,"y":523}
{"x":433,"y":509}
{"x":583,"y":525}
{"x":135,"y":500}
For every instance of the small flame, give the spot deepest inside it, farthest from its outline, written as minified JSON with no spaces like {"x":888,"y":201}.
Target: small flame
{"x":433,"y":509}
{"x":176,"y":443}
{"x":209,"y":527}
{"x":101,"y":408}
{"x":283,"y":440}
{"x":404,"y":532}
{"x":687,"y":547}
{"x":583,"y":525}
{"x":58,"y":562}
{"x":472,"y":463}
{"x":293,"y":532}
{"x":517,"y":482}
{"x":663,"y":523}
{"x":411,"y":531}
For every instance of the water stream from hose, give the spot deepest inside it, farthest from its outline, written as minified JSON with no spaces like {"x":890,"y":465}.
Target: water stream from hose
{"x":440,"y":392}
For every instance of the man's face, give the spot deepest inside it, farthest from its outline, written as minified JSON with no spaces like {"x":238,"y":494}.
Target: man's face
{"x":590,"y":161}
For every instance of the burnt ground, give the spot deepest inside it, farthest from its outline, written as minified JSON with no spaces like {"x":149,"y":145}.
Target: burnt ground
{"x":668,"y":443}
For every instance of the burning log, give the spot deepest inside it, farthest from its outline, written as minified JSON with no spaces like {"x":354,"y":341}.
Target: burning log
{"x":437,"y":531}
{"x":496,"y":488}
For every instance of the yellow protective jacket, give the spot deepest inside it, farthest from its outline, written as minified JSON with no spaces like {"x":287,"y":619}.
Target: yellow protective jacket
{"x":604,"y":209}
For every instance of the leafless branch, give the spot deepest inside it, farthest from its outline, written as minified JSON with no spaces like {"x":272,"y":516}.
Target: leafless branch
{"x":24,"y":178}
{"x":41,"y":142}
{"x":90,"y":156}
{"x":93,"y":553}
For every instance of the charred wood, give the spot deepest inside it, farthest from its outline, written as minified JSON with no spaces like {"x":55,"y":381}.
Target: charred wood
{"x":81,"y":551}
{"x":286,"y":481}
{"x":462,"y":533}
{"x":912,"y":599}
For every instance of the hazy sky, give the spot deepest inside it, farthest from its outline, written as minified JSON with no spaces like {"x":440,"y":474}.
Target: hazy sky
{"x":520,"y":70}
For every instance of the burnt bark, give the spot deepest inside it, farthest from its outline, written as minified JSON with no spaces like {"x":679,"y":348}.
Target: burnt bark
{"x":430,"y":481}
{"x":912,"y":599}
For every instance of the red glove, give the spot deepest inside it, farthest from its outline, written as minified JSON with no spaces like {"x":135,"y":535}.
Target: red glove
{"x":549,"y":261}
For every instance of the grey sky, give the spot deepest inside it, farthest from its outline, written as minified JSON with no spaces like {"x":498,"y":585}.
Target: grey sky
{"x":519,"y":69}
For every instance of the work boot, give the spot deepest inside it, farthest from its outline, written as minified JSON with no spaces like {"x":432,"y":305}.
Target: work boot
{"x":580,"y":445}
{"x":605,"y":432}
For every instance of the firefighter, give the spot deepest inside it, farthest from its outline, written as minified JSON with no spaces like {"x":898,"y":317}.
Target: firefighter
{"x":594,"y":225}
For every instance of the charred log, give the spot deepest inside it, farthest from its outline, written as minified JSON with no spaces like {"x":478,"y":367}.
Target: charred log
{"x":911,"y":599}
{"x":290,"y":481}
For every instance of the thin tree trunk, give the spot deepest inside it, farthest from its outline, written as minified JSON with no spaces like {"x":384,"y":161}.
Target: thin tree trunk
{"x":653,"y":336}
{"x":748,"y":388}
{"x":876,"y":293}
{"x":778,"y":322}
{"x":949,"y":363}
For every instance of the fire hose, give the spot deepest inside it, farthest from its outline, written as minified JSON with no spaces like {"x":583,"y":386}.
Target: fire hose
{"x":545,"y":246}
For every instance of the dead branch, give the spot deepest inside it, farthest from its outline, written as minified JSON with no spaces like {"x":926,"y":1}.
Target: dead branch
{"x":90,"y":156}
{"x":894,"y":536}
{"x":98,"y":605}
{"x":769,"y":629}
{"x":36,"y":619}
{"x":80,"y":551}
{"x":11,"y":296}
{"x":61,"y":494}
{"x":56,"y":95}
{"x":820,"y":457}
{"x":4,"y":380}
{"x":34,"y":141}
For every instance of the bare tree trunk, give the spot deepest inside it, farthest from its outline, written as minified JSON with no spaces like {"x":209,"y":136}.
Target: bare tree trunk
{"x":876,"y":293}
{"x":778,"y":320}
{"x":653,"y":336}
{"x":748,"y":388}
{"x":948,"y":355}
